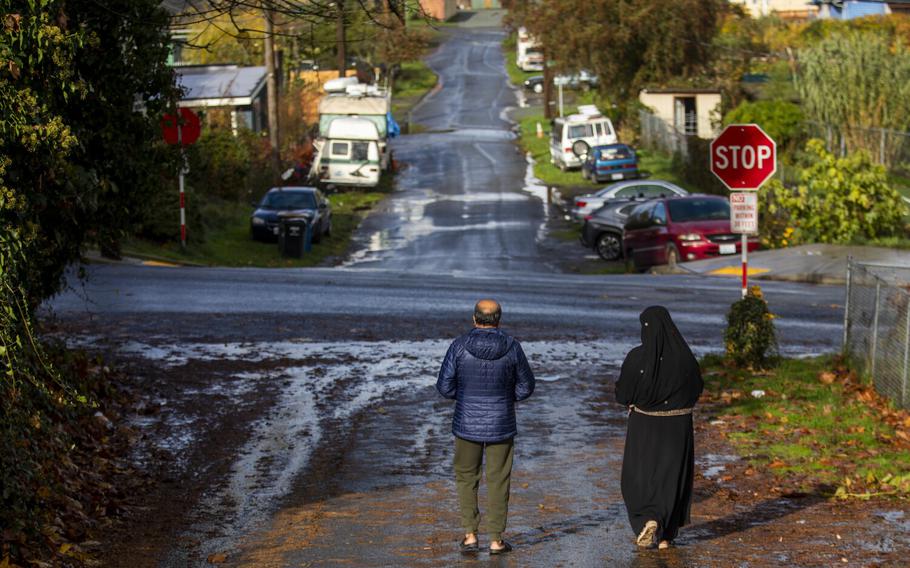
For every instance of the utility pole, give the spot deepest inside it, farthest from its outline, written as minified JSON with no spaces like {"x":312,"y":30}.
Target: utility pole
{"x":547,"y":86}
{"x":271,"y":81}
{"x":340,"y":38}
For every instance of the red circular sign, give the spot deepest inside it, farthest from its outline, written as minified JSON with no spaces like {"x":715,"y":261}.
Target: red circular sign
{"x":743,"y":157}
{"x":187,"y":132}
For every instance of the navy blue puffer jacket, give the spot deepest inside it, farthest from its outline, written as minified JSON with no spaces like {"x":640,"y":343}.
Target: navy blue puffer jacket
{"x":486,"y":372}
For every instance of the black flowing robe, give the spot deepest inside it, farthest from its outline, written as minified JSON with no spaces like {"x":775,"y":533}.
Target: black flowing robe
{"x":659,"y":460}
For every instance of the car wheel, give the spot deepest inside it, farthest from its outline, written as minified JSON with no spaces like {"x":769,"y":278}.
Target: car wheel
{"x":538,"y":88}
{"x":672,"y":255}
{"x":609,"y":246}
{"x":328,"y":230}
{"x":562,"y":166}
{"x":317,"y":235}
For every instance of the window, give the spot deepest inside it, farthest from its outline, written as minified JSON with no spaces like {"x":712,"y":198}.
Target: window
{"x":706,"y":209}
{"x":340,"y":149}
{"x":631,"y":191}
{"x":659,"y":214}
{"x":581,"y":131}
{"x":288,"y":200}
{"x":360,"y":151}
{"x":652,"y":191}
{"x":598,"y":130}
{"x":640,"y":217}
{"x":615,"y":153}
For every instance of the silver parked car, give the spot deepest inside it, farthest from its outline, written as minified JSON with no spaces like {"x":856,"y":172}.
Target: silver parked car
{"x":630,"y":189}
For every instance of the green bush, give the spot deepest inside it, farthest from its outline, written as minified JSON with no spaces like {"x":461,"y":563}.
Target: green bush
{"x":779,"y":119}
{"x":750,"y":340}
{"x":220,"y":164}
{"x":838,"y":200}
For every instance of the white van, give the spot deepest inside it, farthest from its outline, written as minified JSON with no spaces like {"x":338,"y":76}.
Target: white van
{"x":584,"y":130}
{"x":372,"y":105}
{"x":529,"y":54}
{"x":349,"y":154}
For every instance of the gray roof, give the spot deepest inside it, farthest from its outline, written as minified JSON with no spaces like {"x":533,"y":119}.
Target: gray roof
{"x":219,"y":85}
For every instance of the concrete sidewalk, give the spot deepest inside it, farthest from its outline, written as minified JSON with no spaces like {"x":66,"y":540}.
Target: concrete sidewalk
{"x":817,"y":264}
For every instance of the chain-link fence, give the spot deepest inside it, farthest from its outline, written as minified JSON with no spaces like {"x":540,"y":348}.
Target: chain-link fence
{"x":891,"y":148}
{"x":877,"y":326}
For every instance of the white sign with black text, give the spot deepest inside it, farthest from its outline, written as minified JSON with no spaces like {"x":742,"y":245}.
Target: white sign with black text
{"x":744,"y":212}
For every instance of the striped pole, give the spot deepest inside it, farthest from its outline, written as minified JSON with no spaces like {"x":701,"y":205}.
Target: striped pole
{"x":745,"y":253}
{"x":180,"y":182}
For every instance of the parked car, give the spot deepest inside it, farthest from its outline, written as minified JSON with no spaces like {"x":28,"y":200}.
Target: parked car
{"x":678,"y":229}
{"x":573,"y":136}
{"x":610,"y":162}
{"x":640,"y":189}
{"x":309,"y":202}
{"x":603,"y":228}
{"x":534,"y":84}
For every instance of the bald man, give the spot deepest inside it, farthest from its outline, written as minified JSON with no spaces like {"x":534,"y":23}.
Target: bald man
{"x":486,"y":372}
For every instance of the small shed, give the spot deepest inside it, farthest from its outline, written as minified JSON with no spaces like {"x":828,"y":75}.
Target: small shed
{"x":688,"y":111}
{"x":440,"y":10}
{"x":240,"y":90}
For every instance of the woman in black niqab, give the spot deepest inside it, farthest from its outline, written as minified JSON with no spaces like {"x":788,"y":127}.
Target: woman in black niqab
{"x":660,"y":383}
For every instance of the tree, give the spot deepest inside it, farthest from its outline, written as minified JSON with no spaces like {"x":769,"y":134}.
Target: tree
{"x":781,"y":120}
{"x":82,"y":89}
{"x":630,"y":44}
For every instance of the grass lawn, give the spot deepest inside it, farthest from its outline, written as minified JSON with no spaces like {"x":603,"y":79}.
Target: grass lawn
{"x":414,"y":80}
{"x":657,"y":164}
{"x":817,"y":425}
{"x":228,"y":241}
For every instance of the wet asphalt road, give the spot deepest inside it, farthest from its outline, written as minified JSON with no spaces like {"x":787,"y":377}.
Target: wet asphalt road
{"x":298,"y":405}
{"x":461,"y":203}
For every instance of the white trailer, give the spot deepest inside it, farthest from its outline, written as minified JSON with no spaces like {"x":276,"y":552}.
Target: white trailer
{"x":349,"y":153}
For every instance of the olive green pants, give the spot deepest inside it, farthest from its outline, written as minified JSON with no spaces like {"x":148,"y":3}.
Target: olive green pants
{"x":468,"y":460}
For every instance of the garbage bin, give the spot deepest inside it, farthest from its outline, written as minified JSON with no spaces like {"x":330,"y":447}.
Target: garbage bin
{"x":294,"y":236}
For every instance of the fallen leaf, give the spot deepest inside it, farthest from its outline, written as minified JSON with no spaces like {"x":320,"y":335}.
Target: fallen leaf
{"x":217,"y":558}
{"x":827,"y":377}
{"x":777,"y":464}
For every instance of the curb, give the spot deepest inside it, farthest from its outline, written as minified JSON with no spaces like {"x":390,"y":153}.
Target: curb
{"x":138,"y":259}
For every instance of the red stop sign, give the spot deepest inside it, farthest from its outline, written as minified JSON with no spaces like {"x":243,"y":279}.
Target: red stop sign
{"x":743,"y":157}
{"x":187,"y":131}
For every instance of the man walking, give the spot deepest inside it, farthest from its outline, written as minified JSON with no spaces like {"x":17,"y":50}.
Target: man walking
{"x":486,"y":372}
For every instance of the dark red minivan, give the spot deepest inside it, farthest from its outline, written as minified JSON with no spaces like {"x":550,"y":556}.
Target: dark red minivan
{"x":677,"y":229}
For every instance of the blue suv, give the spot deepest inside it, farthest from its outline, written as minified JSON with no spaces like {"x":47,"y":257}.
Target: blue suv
{"x":611,"y":162}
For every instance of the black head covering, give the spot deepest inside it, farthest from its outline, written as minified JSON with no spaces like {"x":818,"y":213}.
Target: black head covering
{"x":661,"y":373}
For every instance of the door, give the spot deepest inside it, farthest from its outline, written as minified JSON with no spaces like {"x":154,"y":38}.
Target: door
{"x":685,"y":119}
{"x":636,"y":226}
{"x":650,"y":238}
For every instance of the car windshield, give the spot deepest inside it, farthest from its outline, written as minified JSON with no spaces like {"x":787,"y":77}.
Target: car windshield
{"x":615,"y":153}
{"x":683,"y":210}
{"x":287,"y":200}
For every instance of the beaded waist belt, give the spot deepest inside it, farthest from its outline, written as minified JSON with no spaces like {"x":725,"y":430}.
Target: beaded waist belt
{"x":678,"y":412}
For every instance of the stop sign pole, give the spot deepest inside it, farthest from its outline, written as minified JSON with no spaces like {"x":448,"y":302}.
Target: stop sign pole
{"x":182,"y":129}
{"x":743,"y":157}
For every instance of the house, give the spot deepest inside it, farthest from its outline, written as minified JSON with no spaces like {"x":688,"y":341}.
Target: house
{"x":849,"y":9}
{"x":238,"y":90}
{"x":690,"y":112}
{"x":440,"y":10}
{"x":780,"y":8}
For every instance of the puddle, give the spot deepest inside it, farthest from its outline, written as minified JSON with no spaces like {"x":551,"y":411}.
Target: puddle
{"x":712,"y":465}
